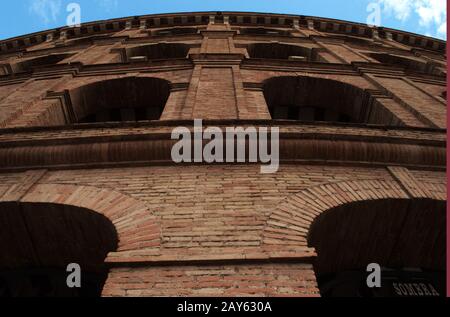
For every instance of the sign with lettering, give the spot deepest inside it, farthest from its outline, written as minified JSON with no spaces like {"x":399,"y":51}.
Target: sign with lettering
{"x":393,"y":283}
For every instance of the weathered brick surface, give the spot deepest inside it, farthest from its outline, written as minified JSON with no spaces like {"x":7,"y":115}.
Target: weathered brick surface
{"x":202,"y":207}
{"x":221,"y":230}
{"x":289,"y":280}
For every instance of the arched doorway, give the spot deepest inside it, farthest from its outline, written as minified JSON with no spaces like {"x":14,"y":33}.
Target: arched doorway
{"x":351,"y":224}
{"x":38,"y":242}
{"x":406,"y":237}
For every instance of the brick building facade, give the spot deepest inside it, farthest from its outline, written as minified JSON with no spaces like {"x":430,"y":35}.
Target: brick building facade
{"x":86,"y":175}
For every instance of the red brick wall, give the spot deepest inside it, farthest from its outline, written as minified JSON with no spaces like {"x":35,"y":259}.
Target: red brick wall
{"x":219,"y":230}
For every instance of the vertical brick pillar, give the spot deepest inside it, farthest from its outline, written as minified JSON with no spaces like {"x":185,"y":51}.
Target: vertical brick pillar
{"x":216,"y":89}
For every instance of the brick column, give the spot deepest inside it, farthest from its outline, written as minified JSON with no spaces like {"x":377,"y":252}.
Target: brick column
{"x":216,"y":89}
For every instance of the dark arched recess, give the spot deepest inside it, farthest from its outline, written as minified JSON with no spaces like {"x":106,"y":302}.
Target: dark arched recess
{"x":124,"y":99}
{"x":263,"y":31}
{"x":319,"y":99}
{"x":406,"y":237}
{"x":39,"y":240}
{"x":409,"y":64}
{"x":281,"y":51}
{"x":157,"y":51}
{"x":29,"y":64}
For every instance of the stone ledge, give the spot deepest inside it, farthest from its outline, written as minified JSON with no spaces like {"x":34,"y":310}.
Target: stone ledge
{"x":162,"y":257}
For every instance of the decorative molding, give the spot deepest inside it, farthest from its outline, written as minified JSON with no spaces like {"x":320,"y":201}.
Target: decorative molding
{"x":237,"y":18}
{"x":344,"y":145}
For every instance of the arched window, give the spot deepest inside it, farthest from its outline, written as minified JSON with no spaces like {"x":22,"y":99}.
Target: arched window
{"x":176,"y":31}
{"x":28,"y":64}
{"x":263,"y":31}
{"x":39,"y":240}
{"x":125,"y":99}
{"x":280,"y":51}
{"x":157,"y":51}
{"x":316,"y":99}
{"x":410,"y":64}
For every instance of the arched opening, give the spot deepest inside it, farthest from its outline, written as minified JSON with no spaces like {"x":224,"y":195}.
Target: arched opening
{"x":124,"y":99}
{"x":408,"y":64}
{"x":281,"y":51}
{"x":5,"y":69}
{"x":157,"y":51}
{"x":86,"y":40}
{"x":38,"y":242}
{"x":405,"y":237}
{"x":29,"y":64}
{"x":176,"y":31}
{"x":263,"y":31}
{"x":318,"y":99}
{"x":355,"y":41}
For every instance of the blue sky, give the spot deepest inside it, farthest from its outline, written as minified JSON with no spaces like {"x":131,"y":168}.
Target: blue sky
{"x":418,"y":16}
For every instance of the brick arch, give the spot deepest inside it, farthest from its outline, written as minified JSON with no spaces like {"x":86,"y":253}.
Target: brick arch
{"x":263,"y":31}
{"x":57,"y":107}
{"x":262,"y":50}
{"x":24,"y":65}
{"x":408,"y":63}
{"x":410,"y":236}
{"x":158,"y":51}
{"x":291,"y":221}
{"x":136,"y":226}
{"x":302,"y":98}
{"x":78,"y":82}
{"x":130,"y":98}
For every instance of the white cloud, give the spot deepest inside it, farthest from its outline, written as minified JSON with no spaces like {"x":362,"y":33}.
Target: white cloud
{"x":442,"y":30}
{"x":47,"y":10}
{"x":401,"y":9}
{"x":431,"y":14}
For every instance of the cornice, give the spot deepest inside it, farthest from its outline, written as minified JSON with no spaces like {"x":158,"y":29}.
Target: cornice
{"x":93,"y":145}
{"x":77,"y":69}
{"x":332,"y":26}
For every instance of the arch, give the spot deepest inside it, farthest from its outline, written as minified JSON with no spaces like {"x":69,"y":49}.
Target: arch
{"x":125,"y":212}
{"x":176,"y":31}
{"x":157,"y":51}
{"x":29,"y":64}
{"x":86,"y":40}
{"x":263,"y":31}
{"x":280,"y":51}
{"x":53,"y":225}
{"x":357,"y":41}
{"x":354,"y":223}
{"x":123,"y":99}
{"x":303,"y":98}
{"x":409,"y":64}
{"x":38,"y":242}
